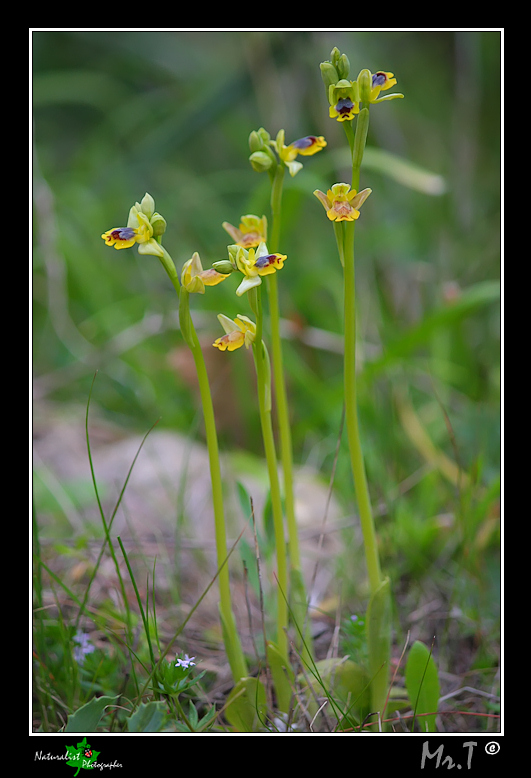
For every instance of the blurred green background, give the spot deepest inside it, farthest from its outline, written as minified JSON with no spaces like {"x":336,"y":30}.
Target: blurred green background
{"x":119,"y":113}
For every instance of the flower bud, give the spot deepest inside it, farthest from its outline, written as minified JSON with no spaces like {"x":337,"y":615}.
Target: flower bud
{"x":258,"y":139}
{"x":365,"y":86}
{"x":343,"y":66}
{"x":158,"y":223}
{"x":147,"y":205}
{"x":233,"y":250}
{"x":335,"y":55}
{"x":329,"y":74}
{"x":261,"y":161}
{"x":224,"y":266}
{"x":255,"y":141}
{"x":340,"y":62}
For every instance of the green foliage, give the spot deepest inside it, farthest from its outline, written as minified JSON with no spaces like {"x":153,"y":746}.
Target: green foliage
{"x":246,"y":706}
{"x":119,"y":113}
{"x":148,"y":717}
{"x":422,"y":683}
{"x":345,"y":685}
{"x":87,"y":718}
{"x":174,"y":679}
{"x":378,"y":631}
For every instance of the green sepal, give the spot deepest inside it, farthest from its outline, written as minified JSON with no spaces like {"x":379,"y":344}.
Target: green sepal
{"x":151,"y":247}
{"x":293,"y":167}
{"x":392,"y":96}
{"x":365,"y":85}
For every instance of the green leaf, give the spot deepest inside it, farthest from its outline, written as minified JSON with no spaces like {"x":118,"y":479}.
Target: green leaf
{"x":148,"y":717}
{"x":344,"y":682}
{"x":246,"y":706}
{"x":422,"y":684}
{"x":232,"y":644}
{"x":283,"y":677}
{"x":87,"y":718}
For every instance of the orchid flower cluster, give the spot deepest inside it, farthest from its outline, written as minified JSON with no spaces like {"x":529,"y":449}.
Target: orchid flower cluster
{"x":249,"y":257}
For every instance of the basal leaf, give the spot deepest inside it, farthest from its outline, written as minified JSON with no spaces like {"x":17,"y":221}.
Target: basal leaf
{"x":422,"y":684}
{"x":87,"y":718}
{"x":148,"y":717}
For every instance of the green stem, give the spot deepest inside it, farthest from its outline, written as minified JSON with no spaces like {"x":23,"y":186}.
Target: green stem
{"x":286,"y":449}
{"x":351,"y":413}
{"x":263,"y":377}
{"x":346,"y":249}
{"x":232,"y":642}
{"x":299,"y":602}
{"x":378,"y":611}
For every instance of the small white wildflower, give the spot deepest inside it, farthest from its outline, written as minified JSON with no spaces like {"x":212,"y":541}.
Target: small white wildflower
{"x":186,"y":662}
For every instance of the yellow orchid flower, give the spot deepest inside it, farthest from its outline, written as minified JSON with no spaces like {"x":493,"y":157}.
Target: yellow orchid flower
{"x":251,"y":232}
{"x":194,"y":278}
{"x":341,"y":203}
{"x":120,"y":237}
{"x":306,"y":147}
{"x":239,"y":332}
{"x":381,"y":80}
{"x":254,"y":264}
{"x":144,"y":225}
{"x":371,"y":84}
{"x":344,"y":100}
